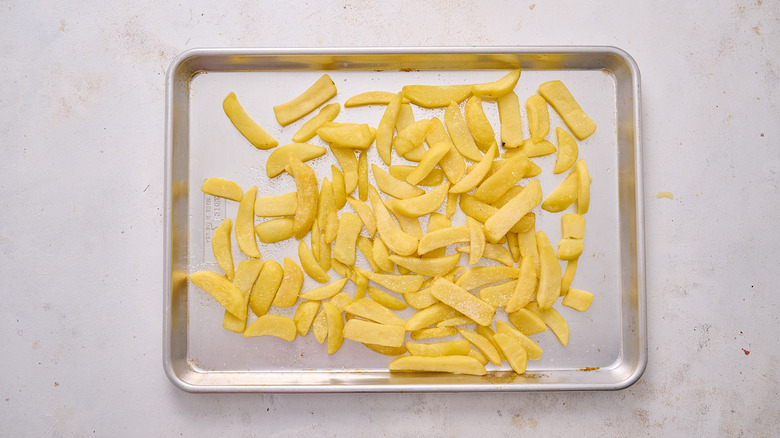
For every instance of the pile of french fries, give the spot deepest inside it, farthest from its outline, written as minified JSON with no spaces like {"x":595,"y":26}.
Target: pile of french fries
{"x":524,"y":283}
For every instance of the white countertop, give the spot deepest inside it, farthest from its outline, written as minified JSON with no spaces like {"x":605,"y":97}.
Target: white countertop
{"x":81,"y":172}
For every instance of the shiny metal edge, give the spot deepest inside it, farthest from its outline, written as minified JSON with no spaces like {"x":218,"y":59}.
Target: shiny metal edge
{"x":179,"y":63}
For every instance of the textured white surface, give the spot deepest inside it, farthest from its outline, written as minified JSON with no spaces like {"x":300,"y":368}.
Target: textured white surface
{"x":81,"y":177}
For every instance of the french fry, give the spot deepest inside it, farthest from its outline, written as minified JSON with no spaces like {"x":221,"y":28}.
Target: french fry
{"x":327,"y":217}
{"x":462,"y":301}
{"x":308,"y":194}
{"x":442,"y":238}
{"x":304,"y":316}
{"x":401,"y":171}
{"x":309,"y":129}
{"x":225,"y":292}
{"x":527,"y":242}
{"x":437,"y":221}
{"x":362,"y":286}
{"x":549,"y":288}
{"x":429,"y":160}
{"x":473,"y":178}
{"x":508,"y":195}
{"x":433,"y":332}
{"x":223,"y":188}
{"x":514,"y":352}
{"x":491,"y":251}
{"x":371,"y":310}
{"x":444,"y":364}
{"x":583,"y":187}
{"x":502,"y":221}
{"x":578,"y":299}
{"x":497,"y":88}
{"x":436,"y":96}
{"x":411,"y":137}
{"x":459,"y":133}
{"x":409,"y":225}
{"x":370,"y":98}
{"x":325,"y":292}
{"x":502,"y":180}
{"x":498,"y":295}
{"x":335,"y":327}
{"x":556,"y":93}
{"x":365,"y":214}
{"x":570,"y":249}
{"x":325,"y":254}
{"x":292,"y":281}
{"x":478,"y":124}
{"x":346,"y":240}
{"x":405,"y":115}
{"x":459,"y":347}
{"x":563,"y":195}
{"x":220,"y":246}
{"x":532,"y":348}
{"x":382,"y":255}
{"x":365,"y":246}
{"x":530,"y":148}
{"x":245,"y":125}
{"x":349,"y":165}
{"x":568,"y":276}
{"x":392,"y":186}
{"x":452,"y":204}
{"x":475,"y":277}
{"x":391,"y":234}
{"x":421,"y":299}
{"x":320,"y":92}
{"x":373,"y":333}
{"x":310,"y":265}
{"x":272,"y":325}
{"x":529,"y":323}
{"x":245,"y":223}
{"x":265,"y":287}
{"x":387,"y":351}
{"x":384,"y":134}
{"x":420,"y":205}
{"x":567,"y":151}
{"x":456,"y":321}
{"x":385,"y":299}
{"x":538,"y":117}
{"x":478,"y":356}
{"x":554,"y":320}
{"x":341,"y":300}
{"x":280,"y":157}
{"x":525,"y":287}
{"x":353,"y":136}
{"x":246,"y":274}
{"x":483,"y":345}
{"x":514,"y":246}
{"x":427,"y":266}
{"x":430,"y":315}
{"x":339,"y":187}
{"x":476,"y":240}
{"x":396,"y":283}
{"x":277,"y":205}
{"x":452,"y":162}
{"x":511,"y":122}
{"x":275,"y":230}
{"x":488,"y":334}
{"x":572,"y":226}
{"x":344,"y":270}
{"x":363,"y":176}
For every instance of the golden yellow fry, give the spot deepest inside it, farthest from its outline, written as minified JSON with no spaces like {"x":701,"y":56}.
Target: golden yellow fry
{"x":280,"y":157}
{"x":304,"y":316}
{"x":563,"y":195}
{"x":554,"y":320}
{"x":346,"y":240}
{"x":511,"y":121}
{"x":373,"y":333}
{"x":428,"y":161}
{"x":478,"y":356}
{"x":430,"y":315}
{"x":396,"y":283}
{"x":344,"y":270}
{"x":572,"y":226}
{"x":529,"y":323}
{"x":220,"y":245}
{"x":392,"y":235}
{"x":225,"y":292}
{"x":526,"y":240}
{"x":538,"y":117}
{"x":327,"y":217}
{"x":421,"y":299}
{"x":411,"y":137}
{"x":341,"y":300}
{"x":320,"y":92}
{"x":402,"y":171}
{"x":427,"y":266}
{"x":498,"y":295}
{"x":436,"y":96}
{"x":310,"y":265}
{"x":335,"y":327}
{"x":502,"y":180}
{"x":357,"y":136}
{"x":316,"y":240}
{"x":363,"y":176}
{"x":492,"y":251}
{"x":502,"y":221}
{"x":567,"y":151}
{"x":452,"y":204}
{"x":475,"y":277}
{"x":339,"y":187}
{"x":459,"y":347}
{"x":319,"y":326}
{"x":325,"y":292}
{"x":405,"y":115}
{"x":477,"y":174}
{"x":513,"y":351}
{"x":387,"y":351}
{"x":420,"y":205}
{"x":324,"y":259}
{"x":292,"y":281}
{"x":514,"y":247}
{"x":272,"y":325}
{"x":382,"y":255}
{"x":223,"y":188}
{"x":392,"y":186}
{"x":529,"y":148}
{"x":444,"y":364}
{"x":246,"y":274}
{"x":409,"y":225}
{"x":482,"y":344}
{"x":245,"y":125}
{"x":349,"y":165}
{"x":276,"y":205}
{"x":370,"y":309}
{"x":362,"y":286}
{"x":437,"y":221}
{"x":570,"y":249}
{"x":309,"y":129}
{"x":488,"y":334}
{"x":370,"y":98}
{"x":568,"y":276}
{"x":462,"y":301}
{"x":386,"y":300}
{"x":456,"y":321}
{"x":275,"y":230}
{"x":556,"y":93}
{"x":452,"y":163}
{"x":365,"y":246}
{"x":476,"y":240}
{"x":482,"y":212}
{"x":583,"y":187}
{"x":525,"y":287}
{"x":442,"y":238}
{"x":578,"y":299}
{"x":497,"y":88}
{"x":384,"y":134}
{"x":265,"y":287}
{"x":532,"y":348}
{"x":478,"y":124}
{"x":433,"y":332}
{"x":365,"y":214}
{"x":508,"y":195}
{"x":308,"y":194}
{"x":245,"y":224}
{"x":549,"y":288}
{"x":459,"y":133}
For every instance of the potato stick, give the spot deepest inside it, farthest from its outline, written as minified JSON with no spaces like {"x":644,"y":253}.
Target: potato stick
{"x":529,"y":323}
{"x":429,"y":160}
{"x":478,"y":356}
{"x":396,"y":283}
{"x":473,"y":178}
{"x":246,"y":274}
{"x":554,"y":320}
{"x":276,"y":205}
{"x":223,"y":188}
{"x":349,"y":165}
{"x":405,"y":115}
{"x":462,"y":301}
{"x":373,"y":333}
{"x":225,"y":292}
{"x":392,"y":186}
{"x":392,"y":235}
{"x":362,"y":286}
{"x":459,"y":133}
{"x":363,"y":176}
{"x":492,"y":251}
{"x":482,"y":344}
{"x":567,"y":151}
{"x":583,"y":187}
{"x":433,"y":332}
{"x":514,"y":247}
{"x":280,"y":157}
{"x":507,"y":196}
{"x":538,"y":117}
{"x":444,"y":364}
{"x":570,"y":249}
{"x":437,"y":221}
{"x":401,"y":171}
{"x":497,"y":88}
{"x":275,"y":230}
{"x":369,"y":98}
{"x":370,"y":309}
{"x":420,"y":205}
{"x":384,"y":134}
{"x":482,"y":212}
{"x":456,"y":321}
{"x":339,"y":187}
{"x":568,"y":276}
{"x":502,"y":180}
{"x":549,"y":288}
{"x":478,"y":124}
{"x":304,"y":316}
{"x":411,"y":137}
{"x":429,"y":266}
{"x":488,"y":334}
{"x":563,"y":195}
{"x":327,"y":217}
{"x":245,"y":224}
{"x":309,"y":129}
{"x":308,"y":194}
{"x":511,"y":122}
{"x":527,"y":243}
{"x":532,"y":348}
{"x":436,"y":96}
{"x":458,"y":347}
{"x":479,"y":276}
{"x":365,"y":214}
{"x":325,"y":257}
{"x":292,"y":281}
{"x":356,"y":136}
{"x":310,"y":265}
{"x":335,"y":327}
{"x":346,"y":240}
{"x":530,"y":148}
{"x":265,"y":287}
{"x":476,"y":240}
{"x":344,"y":270}
{"x":272,"y":325}
{"x":430,"y":315}
{"x":421,"y":299}
{"x":320,"y":92}
{"x":514,"y":352}
{"x":502,"y":221}
{"x":556,"y":93}
{"x":578,"y":299}
{"x":367,"y":248}
{"x":498,"y":295}
{"x":220,"y":246}
{"x":442,"y":238}
{"x":245,"y":125}
{"x":382,"y":255}
{"x":385,"y":299}
{"x":525,"y":287}
{"x":325,"y":292}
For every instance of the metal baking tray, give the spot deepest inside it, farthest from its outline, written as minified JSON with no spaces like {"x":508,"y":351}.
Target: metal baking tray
{"x":607,"y":348}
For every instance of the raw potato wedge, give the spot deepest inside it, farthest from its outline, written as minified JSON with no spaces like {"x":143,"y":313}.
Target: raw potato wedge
{"x":245,"y":224}
{"x":220,"y":245}
{"x":371,"y":310}
{"x":319,"y":326}
{"x":428,"y":161}
{"x":396,"y":283}
{"x":554,"y":320}
{"x":392,"y":235}
{"x":280,"y":157}
{"x":583,"y":187}
{"x":411,"y":137}
{"x":475,"y":277}
{"x":339,"y":187}
{"x":373,"y":333}
{"x":442,"y":238}
{"x":405,"y":116}
{"x":570,"y":249}
{"x":335,"y":327}
{"x":459,"y":347}
{"x":572,"y":226}
{"x":392,"y":186}
{"x":363,"y":176}
{"x":427,"y":266}
{"x":532,"y":348}
{"x":401,"y":171}
{"x":563,"y":196}
{"x":529,"y":323}
{"x":497,"y":88}
{"x":430,"y":315}
{"x":503,"y":179}
{"x":514,"y":352}
{"x":488,"y":334}
{"x":460,"y":134}
{"x":437,"y":221}
{"x":265,"y":288}
{"x":309,"y":129}
{"x":349,"y":164}
{"x":478,"y":356}
{"x":452,"y":162}
{"x":320,"y":92}
{"x":502,"y":221}
{"x":436,"y":96}
{"x":530,"y":148}
{"x":525,"y":286}
{"x":272,"y":325}
{"x":421,"y":299}
{"x":369,"y":98}
{"x":476,"y":240}
{"x":346,"y":240}
{"x":292,"y":281}
{"x":245,"y":125}
{"x":225,"y":292}
{"x":444,"y":364}
{"x":365,"y":214}
{"x":304,"y":316}
{"x":549,"y":288}
{"x":567,"y":151}
{"x":382,"y":255}
{"x":483,"y":345}
{"x":568,"y":276}
{"x":462,"y":301}
{"x":357,"y":136}
{"x":526,"y":241}
{"x":433,"y":332}
{"x":477,"y":174}
{"x":385,"y":299}
{"x":492,"y":251}
{"x":578,"y":299}
{"x":365,"y":246}
{"x":308,"y":195}
{"x":387,"y":351}
{"x":277,"y":205}
{"x":223,"y":188}
{"x":511,"y":121}
{"x":310,"y":265}
{"x":420,"y":205}
{"x":275,"y":230}
{"x":246,"y":274}
{"x":325,"y":292}
{"x":327,"y":216}
{"x":538,"y":117}
{"x":384,"y":133}
{"x":556,"y":93}
{"x":498,"y":295}
{"x":478,"y":124}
